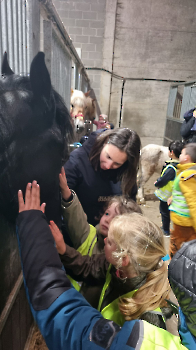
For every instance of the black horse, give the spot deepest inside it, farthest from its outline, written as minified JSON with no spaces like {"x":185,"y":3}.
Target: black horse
{"x":35,"y":128}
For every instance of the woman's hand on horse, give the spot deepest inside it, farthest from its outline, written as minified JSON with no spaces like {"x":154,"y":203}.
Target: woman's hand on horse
{"x":32,"y":198}
{"x":58,"y":237}
{"x":65,"y":191}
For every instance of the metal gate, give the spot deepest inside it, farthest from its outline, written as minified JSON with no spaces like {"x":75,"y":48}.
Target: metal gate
{"x":26,"y":27}
{"x":182,"y":97}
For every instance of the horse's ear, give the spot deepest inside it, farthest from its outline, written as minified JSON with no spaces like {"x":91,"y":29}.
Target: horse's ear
{"x":87,"y":93}
{"x":5,"y":68}
{"x":39,"y":77}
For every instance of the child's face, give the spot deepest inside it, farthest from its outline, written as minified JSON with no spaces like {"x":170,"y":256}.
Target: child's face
{"x":184,"y":158}
{"x":107,"y":217}
{"x":109,"y":248}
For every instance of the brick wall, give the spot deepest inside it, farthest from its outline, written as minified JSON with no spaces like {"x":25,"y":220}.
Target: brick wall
{"x":84,"y":21}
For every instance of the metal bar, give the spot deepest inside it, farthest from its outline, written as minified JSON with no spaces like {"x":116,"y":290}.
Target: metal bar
{"x":10,"y":33}
{"x":47,"y":37}
{"x":28,"y":35}
{"x":4,"y":26}
{"x":10,"y":302}
{"x":1,"y":34}
{"x":20,"y":39}
{"x":24,"y":41}
{"x":175,"y":119}
{"x":184,"y":83}
{"x":15,"y":36}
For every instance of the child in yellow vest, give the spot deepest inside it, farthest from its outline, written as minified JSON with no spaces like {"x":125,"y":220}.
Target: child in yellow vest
{"x":86,"y":238}
{"x":132,"y":273}
{"x":183,"y":201}
{"x":164,"y":183}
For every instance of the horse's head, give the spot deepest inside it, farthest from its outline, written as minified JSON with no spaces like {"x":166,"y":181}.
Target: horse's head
{"x":34,"y":129}
{"x":78,"y":110}
{"x":91,"y":111}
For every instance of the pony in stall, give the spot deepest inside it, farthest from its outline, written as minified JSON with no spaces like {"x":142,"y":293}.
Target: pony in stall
{"x":35,"y":129}
{"x":83,"y":108}
{"x":152,"y":159}
{"x":91,"y":112}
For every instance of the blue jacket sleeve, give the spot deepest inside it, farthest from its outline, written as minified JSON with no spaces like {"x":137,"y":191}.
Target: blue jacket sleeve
{"x":64,"y":317}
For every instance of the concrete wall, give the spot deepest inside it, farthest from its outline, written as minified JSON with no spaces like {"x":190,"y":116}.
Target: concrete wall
{"x":153,"y":39}
{"x":84,"y":21}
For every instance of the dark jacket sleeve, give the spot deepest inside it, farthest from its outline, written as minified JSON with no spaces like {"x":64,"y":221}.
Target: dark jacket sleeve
{"x":186,"y":127}
{"x":168,"y":175}
{"x":91,"y":270}
{"x":73,"y":174}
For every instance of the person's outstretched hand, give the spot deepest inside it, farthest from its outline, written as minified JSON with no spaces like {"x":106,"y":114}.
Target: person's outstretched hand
{"x":169,"y":201}
{"x":32,"y":198}
{"x":58,"y":237}
{"x":65,"y":191}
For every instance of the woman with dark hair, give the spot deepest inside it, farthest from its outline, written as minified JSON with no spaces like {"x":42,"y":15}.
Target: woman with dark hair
{"x":106,"y":165}
{"x":188,"y":127}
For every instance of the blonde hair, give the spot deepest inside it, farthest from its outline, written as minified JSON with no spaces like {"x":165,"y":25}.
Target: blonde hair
{"x":142,"y":241}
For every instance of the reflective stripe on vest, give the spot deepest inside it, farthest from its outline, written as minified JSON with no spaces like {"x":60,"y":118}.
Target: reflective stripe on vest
{"x":165,"y":192}
{"x":151,"y":337}
{"x":86,"y":248}
{"x":179,"y":204}
{"x":111,"y":311}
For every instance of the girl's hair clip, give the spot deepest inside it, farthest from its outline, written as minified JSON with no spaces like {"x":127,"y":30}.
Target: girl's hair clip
{"x":166,"y":257}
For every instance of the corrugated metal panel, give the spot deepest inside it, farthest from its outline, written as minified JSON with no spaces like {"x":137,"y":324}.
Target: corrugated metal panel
{"x":192,"y":102}
{"x":61,"y":69}
{"x":14,"y":34}
{"x":76,"y":77}
{"x":185,"y":100}
{"x":171,"y":101}
{"x":84,"y":84}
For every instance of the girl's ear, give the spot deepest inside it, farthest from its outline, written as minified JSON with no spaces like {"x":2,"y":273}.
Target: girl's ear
{"x":125,"y":260}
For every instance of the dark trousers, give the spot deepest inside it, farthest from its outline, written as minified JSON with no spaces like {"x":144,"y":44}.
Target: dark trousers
{"x":165,"y":214}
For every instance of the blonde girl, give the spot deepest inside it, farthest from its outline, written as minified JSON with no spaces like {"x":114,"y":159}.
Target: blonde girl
{"x":139,"y":249}
{"x":132,"y":273}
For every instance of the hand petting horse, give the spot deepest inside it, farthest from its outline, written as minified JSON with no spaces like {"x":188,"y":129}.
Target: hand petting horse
{"x":35,"y":127}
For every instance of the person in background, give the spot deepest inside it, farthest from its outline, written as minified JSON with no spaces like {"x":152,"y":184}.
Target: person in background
{"x":181,"y":277}
{"x":188,"y":127}
{"x":106,"y":165}
{"x":64,"y":317}
{"x":165,"y":182}
{"x":102,"y":122}
{"x":109,"y":126}
{"x":183,"y":200}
